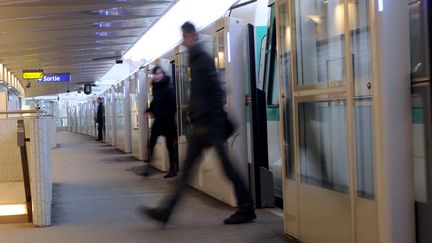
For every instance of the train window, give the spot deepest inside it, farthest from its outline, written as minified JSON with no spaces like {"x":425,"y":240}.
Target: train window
{"x":184,"y":89}
{"x":320,"y":43}
{"x":220,"y":55}
{"x":323,"y":144}
{"x":364,"y":148}
{"x":419,"y":41}
{"x":363,"y":120}
{"x":184,"y":79}
{"x":271,"y":66}
{"x":284,"y":41}
{"x":360,"y":47}
{"x":273,"y":100}
{"x":421,"y":141}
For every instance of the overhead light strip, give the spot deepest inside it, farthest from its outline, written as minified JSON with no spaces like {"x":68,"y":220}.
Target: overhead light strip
{"x":165,"y":34}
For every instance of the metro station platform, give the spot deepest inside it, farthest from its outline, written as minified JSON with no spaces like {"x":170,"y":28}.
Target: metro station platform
{"x":96,"y":193}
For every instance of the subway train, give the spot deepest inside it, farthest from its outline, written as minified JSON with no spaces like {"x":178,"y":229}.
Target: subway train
{"x":303,"y":81}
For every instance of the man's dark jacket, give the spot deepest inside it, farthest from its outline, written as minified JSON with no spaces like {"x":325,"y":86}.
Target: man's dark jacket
{"x":163,"y":104}
{"x":163,"y":107}
{"x":207,"y":99}
{"x":100,"y":115}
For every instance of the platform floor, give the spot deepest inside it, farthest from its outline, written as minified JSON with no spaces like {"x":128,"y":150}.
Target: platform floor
{"x":95,"y":196}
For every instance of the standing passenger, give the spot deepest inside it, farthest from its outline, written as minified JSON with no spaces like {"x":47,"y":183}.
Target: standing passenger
{"x":210,"y":128}
{"x":100,"y":118}
{"x":163,"y":108}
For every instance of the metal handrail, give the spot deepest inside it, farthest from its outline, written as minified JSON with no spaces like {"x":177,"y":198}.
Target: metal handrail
{"x":21,"y":113}
{"x":22,"y":143}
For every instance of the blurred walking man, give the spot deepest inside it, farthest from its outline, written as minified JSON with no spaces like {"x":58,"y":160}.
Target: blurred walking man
{"x":210,"y":128}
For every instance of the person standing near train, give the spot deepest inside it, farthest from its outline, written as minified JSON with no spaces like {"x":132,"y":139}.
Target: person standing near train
{"x":163,"y":109}
{"x":100,"y":119}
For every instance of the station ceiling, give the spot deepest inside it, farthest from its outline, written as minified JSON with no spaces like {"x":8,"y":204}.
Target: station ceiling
{"x":80,"y":37}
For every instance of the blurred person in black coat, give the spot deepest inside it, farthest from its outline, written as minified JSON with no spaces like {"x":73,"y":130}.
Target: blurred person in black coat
{"x":163,"y":109}
{"x":210,"y":128}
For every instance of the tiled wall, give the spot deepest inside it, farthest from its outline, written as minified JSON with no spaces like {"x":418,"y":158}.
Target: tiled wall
{"x":10,"y":159}
{"x":39,"y":155}
{"x":40,"y":169}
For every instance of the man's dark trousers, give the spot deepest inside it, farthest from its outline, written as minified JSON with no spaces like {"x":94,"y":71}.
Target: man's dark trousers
{"x":100,"y":131}
{"x":197,"y":142}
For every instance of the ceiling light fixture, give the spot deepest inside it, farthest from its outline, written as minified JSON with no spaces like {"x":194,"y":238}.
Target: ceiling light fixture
{"x":153,"y":44}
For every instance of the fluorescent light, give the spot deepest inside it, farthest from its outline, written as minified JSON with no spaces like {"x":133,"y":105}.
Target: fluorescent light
{"x":116,"y":73}
{"x":229,"y":47}
{"x":13,"y":209}
{"x":165,"y":34}
{"x":380,"y":5}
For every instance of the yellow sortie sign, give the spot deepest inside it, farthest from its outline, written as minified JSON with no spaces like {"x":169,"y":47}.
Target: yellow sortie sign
{"x":32,"y":74}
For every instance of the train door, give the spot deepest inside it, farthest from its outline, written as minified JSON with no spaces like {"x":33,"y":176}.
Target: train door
{"x":81,"y":119}
{"x":174,"y":76}
{"x":118,"y":118}
{"x":326,"y":114}
{"x":228,"y":41}
{"x":183,"y":94}
{"x":122,"y":117}
{"x":257,"y":125}
{"x":142,"y":106}
{"x":421,"y":117}
{"x":111,"y":116}
{"x":135,"y":114}
{"x":270,"y":83}
{"x":75,"y":118}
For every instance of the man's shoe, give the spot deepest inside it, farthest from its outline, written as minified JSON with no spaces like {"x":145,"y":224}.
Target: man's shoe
{"x":240,"y":217}
{"x":170,"y":174}
{"x":158,"y":214}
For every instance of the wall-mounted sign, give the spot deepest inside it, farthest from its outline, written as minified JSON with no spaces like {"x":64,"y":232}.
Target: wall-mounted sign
{"x":55,"y":77}
{"x":32,"y":74}
{"x":87,"y":89}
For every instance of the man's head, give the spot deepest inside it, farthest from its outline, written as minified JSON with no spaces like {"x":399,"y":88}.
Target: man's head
{"x":190,"y":36}
{"x":99,"y":100}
